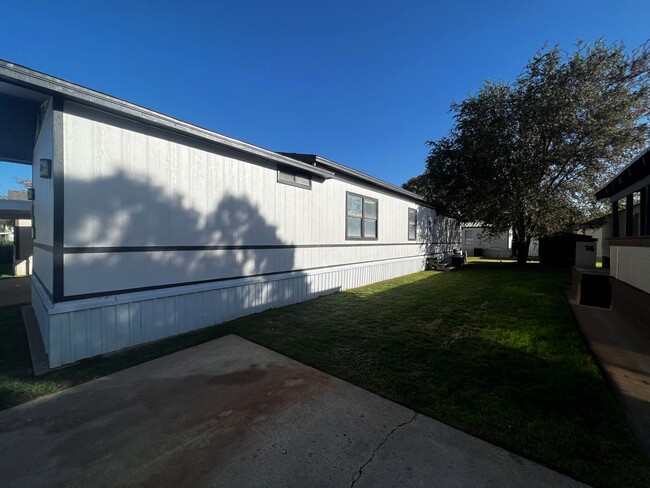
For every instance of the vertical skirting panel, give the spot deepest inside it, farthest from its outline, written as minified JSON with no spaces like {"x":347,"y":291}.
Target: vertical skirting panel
{"x":84,"y":333}
{"x":42,"y":317}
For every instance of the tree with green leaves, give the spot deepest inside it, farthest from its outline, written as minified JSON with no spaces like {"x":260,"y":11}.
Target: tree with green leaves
{"x":529,"y":155}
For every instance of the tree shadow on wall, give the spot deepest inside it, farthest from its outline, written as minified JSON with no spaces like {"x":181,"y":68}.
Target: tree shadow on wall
{"x":152,"y":237}
{"x":439,"y":234}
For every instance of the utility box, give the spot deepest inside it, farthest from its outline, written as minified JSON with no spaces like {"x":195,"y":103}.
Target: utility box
{"x":586,"y":254}
{"x":457,"y":260}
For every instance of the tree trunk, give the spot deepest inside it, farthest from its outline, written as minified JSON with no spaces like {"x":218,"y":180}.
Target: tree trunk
{"x":522,"y":250}
{"x":515,"y":244}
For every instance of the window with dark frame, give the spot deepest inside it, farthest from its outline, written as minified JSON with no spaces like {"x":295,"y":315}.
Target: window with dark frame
{"x":361,"y":217}
{"x":295,"y":179}
{"x":413,"y":224}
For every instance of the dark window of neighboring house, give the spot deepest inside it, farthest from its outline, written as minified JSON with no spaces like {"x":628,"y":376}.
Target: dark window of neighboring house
{"x":295,"y":179}
{"x":469,"y":236}
{"x":413,"y":223}
{"x":361,"y":217}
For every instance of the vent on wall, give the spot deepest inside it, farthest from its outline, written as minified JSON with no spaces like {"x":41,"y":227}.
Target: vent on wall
{"x":295,"y":179}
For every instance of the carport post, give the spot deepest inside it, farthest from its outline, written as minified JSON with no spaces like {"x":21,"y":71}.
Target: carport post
{"x":643,"y":214}
{"x":629,"y":215}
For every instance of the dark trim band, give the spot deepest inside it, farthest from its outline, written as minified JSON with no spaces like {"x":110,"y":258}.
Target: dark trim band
{"x":217,"y":280}
{"x":234,"y":247}
{"x":44,"y":247}
{"x":638,"y":241}
{"x":57,"y":198}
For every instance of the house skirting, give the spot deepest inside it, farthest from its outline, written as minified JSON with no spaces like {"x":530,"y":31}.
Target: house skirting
{"x":632,"y":303}
{"x":80,"y":329}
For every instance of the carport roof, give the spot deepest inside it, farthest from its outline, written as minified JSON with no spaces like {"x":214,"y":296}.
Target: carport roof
{"x":633,"y":177}
{"x":15,"y":209}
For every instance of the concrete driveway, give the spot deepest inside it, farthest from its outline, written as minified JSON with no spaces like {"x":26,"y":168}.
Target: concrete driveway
{"x":232,"y":413}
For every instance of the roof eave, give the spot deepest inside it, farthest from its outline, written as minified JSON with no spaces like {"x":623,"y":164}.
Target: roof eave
{"x":35,"y":80}
{"x":338,"y":167}
{"x":607,"y":191}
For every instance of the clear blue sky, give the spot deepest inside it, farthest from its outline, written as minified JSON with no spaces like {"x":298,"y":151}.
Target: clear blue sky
{"x":365,"y":83}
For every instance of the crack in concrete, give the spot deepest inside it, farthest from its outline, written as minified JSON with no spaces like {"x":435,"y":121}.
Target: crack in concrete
{"x":357,"y":475}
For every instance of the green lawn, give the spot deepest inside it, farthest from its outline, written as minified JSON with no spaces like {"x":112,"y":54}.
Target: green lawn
{"x":491,"y":349}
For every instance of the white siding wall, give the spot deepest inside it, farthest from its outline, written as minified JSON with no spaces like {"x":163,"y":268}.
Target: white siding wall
{"x":43,"y":266}
{"x":631,"y":265}
{"x":130,"y":186}
{"x":43,"y":202}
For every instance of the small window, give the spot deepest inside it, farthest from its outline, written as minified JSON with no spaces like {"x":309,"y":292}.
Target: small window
{"x":413,"y":224}
{"x":361,"y":217}
{"x":469,"y":236}
{"x":295,"y":179}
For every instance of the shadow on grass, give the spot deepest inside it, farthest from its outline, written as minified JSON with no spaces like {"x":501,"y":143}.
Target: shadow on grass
{"x":491,"y":349}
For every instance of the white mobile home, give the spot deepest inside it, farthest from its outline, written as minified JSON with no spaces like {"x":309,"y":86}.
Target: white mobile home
{"x":477,"y":241}
{"x":146,"y":226}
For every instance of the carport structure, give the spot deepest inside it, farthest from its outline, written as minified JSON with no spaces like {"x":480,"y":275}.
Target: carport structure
{"x":20,"y":118}
{"x":15,"y":209}
{"x":27,"y":137}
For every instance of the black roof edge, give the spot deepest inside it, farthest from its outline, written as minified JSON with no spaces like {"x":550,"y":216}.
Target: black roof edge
{"x":315,"y":159}
{"x":43,"y":83}
{"x":636,"y":170}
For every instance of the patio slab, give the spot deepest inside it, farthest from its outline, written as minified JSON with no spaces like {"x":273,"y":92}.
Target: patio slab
{"x":233,"y":413}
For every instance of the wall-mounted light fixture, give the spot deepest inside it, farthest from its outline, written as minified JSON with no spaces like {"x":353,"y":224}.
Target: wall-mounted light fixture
{"x":46,"y":168}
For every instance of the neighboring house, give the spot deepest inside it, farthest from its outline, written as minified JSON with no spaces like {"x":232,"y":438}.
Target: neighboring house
{"x":629,"y":244}
{"x":147,"y":226}
{"x":6,"y":231}
{"x":23,"y":247}
{"x":17,"y":210}
{"x":477,"y":241}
